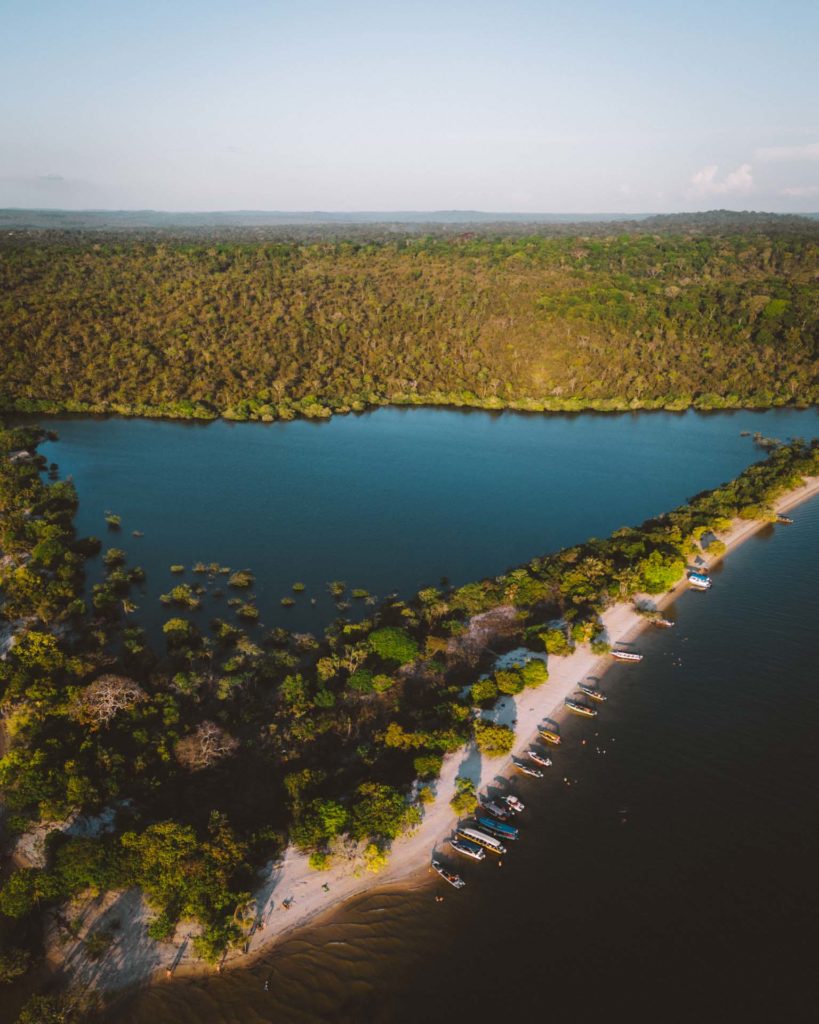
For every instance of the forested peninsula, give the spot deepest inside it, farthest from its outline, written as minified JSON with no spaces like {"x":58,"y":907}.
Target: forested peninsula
{"x":269,"y":329}
{"x":184,"y":771}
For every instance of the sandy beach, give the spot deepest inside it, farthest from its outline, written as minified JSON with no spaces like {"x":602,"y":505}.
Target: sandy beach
{"x":290,"y":893}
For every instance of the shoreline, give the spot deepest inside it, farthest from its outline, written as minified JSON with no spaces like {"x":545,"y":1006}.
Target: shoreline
{"x":138,"y":961}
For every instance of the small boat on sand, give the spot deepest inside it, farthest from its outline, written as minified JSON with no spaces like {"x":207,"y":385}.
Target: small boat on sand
{"x":662,"y":623}
{"x":550,"y":736}
{"x":513,"y":803}
{"x":527,"y":769}
{"x":468,"y":848}
{"x":626,"y":655}
{"x":580,"y":709}
{"x":454,"y":879}
{"x":592,"y":691}
{"x":539,"y":758}
{"x":700,"y":581}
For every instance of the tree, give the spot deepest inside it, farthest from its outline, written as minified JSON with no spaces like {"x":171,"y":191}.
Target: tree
{"x":534,"y":673}
{"x":320,"y":823}
{"x":380,"y":812}
{"x":509,"y":681}
{"x":428,"y":766}
{"x":100,"y":702}
{"x":659,"y":573}
{"x":483,"y":691}
{"x":205,"y":746}
{"x":13,"y":964}
{"x":393,"y":644}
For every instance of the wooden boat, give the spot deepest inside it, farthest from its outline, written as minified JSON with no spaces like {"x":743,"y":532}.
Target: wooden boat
{"x":627,"y":655}
{"x":483,"y":839}
{"x":527,"y":769}
{"x":786,"y":520}
{"x":448,"y":876}
{"x":592,"y":692}
{"x":468,"y":848}
{"x":550,"y":736}
{"x":580,"y":709}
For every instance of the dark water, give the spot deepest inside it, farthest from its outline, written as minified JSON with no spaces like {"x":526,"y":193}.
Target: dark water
{"x":391,"y":500}
{"x":673,"y":880}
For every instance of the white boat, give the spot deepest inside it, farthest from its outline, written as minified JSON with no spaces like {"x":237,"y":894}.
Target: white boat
{"x":627,"y":655}
{"x":527,"y":769}
{"x":700,"y":580}
{"x":483,"y":839}
{"x":468,"y":848}
{"x":512,"y":802}
{"x":539,"y":758}
{"x":493,"y":808}
{"x":592,"y":691}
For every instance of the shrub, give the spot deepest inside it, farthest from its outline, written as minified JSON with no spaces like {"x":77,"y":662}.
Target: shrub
{"x":509,"y":681}
{"x":556,"y":641}
{"x":483,"y":691}
{"x":428,"y":766}
{"x":493,"y":740}
{"x":241,"y":579}
{"x":534,"y":673}
{"x":465,"y":800}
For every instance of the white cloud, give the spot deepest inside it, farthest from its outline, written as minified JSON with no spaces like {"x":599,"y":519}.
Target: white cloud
{"x":788,"y":154}
{"x":800,"y":191}
{"x":706,"y":183}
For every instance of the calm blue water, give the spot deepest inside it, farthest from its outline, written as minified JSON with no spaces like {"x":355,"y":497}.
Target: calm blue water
{"x":391,"y":500}
{"x":673,"y":880}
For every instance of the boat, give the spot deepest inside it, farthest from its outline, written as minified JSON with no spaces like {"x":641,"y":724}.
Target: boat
{"x":662,"y":623}
{"x":492,"y":808}
{"x":527,"y":769}
{"x":483,"y":839}
{"x":580,"y":709}
{"x":550,"y":736}
{"x":786,"y":520}
{"x":468,"y":848}
{"x":700,"y":580}
{"x":539,"y":758}
{"x":592,"y":691}
{"x":513,"y":803}
{"x":449,"y":876}
{"x":627,"y":655}
{"x":498,"y":828}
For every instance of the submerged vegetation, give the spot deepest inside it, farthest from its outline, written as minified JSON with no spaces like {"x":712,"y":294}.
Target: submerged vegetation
{"x":199,"y":763}
{"x":270,"y":330}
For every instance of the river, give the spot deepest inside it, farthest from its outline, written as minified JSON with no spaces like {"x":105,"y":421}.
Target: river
{"x":667,"y":864}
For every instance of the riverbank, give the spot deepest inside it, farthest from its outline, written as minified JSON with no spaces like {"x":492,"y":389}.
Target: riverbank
{"x":134,"y":959}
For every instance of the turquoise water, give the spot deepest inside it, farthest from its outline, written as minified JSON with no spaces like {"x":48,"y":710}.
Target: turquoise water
{"x":391,"y":500}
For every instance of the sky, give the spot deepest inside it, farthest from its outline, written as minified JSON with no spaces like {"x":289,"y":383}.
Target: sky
{"x":577,"y":106}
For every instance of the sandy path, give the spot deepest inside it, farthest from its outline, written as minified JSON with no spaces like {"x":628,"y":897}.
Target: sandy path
{"x":135,"y":960}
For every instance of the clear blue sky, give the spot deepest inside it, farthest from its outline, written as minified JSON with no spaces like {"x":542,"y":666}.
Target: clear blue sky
{"x":529,"y":105}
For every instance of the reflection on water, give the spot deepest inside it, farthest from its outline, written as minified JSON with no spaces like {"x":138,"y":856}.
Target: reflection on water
{"x":666,"y":867}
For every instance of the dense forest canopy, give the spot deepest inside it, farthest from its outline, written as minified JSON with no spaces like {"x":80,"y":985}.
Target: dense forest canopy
{"x":267,"y":329}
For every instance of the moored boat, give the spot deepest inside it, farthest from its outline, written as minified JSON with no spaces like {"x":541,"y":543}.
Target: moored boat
{"x":498,"y":828}
{"x":483,"y":839}
{"x":454,"y":879}
{"x":550,"y":736}
{"x":786,"y":520}
{"x":468,"y":848}
{"x":539,"y":758}
{"x":626,"y":655}
{"x":580,"y":709}
{"x":592,"y":691}
{"x":513,"y":803}
{"x":493,"y":808}
{"x":527,"y":769}
{"x":700,"y":580}
{"x":662,"y":623}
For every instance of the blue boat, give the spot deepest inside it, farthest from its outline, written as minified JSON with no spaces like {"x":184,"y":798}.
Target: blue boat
{"x":499,"y":828}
